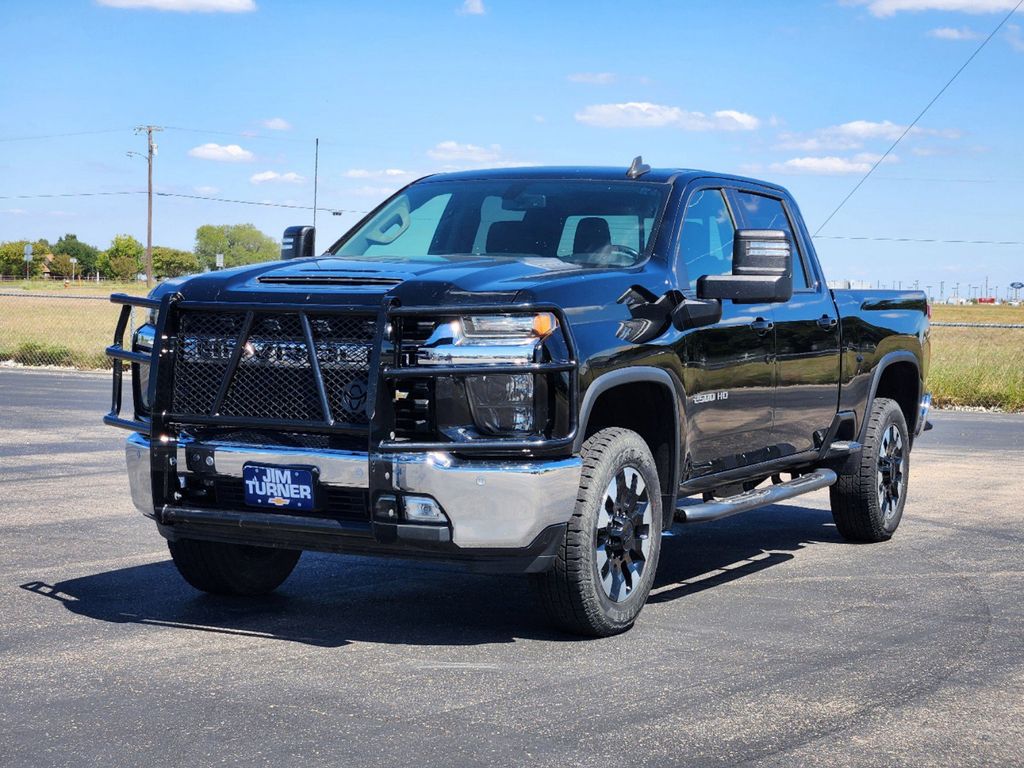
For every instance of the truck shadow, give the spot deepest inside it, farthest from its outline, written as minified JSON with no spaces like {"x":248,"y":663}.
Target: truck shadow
{"x":330,"y":601}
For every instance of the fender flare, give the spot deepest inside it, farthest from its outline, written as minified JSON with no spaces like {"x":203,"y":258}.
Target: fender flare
{"x":897,"y":356}
{"x":639,"y":375}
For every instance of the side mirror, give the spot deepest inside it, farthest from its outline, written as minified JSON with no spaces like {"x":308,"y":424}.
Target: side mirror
{"x":762,"y":269}
{"x":298,"y":243}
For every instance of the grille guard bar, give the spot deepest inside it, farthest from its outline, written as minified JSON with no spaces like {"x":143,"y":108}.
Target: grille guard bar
{"x":120,"y":355}
{"x":381,"y":418}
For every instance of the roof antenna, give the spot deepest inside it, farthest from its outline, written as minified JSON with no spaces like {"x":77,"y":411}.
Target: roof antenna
{"x":638,"y":168}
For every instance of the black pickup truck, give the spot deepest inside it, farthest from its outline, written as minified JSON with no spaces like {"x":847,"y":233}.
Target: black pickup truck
{"x":524,"y":370}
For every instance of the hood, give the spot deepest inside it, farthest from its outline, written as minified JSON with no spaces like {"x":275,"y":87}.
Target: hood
{"x":328,"y":279}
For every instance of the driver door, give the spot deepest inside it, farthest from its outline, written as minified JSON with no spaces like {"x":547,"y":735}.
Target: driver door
{"x":728,"y":368}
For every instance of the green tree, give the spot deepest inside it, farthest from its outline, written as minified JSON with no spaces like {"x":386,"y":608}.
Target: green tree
{"x":123,"y":260}
{"x":12,"y":258}
{"x":240,"y":244}
{"x":170,"y":262}
{"x":60,"y":266}
{"x":71,"y":246}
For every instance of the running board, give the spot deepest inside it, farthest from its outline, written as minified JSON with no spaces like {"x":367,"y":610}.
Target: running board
{"x":759,"y":497}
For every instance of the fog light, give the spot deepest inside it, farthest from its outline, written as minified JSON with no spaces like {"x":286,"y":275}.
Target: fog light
{"x":423,"y":509}
{"x":502,"y":403}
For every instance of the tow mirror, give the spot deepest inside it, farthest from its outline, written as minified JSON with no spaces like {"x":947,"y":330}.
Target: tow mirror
{"x":762,"y":269}
{"x":299,"y":242}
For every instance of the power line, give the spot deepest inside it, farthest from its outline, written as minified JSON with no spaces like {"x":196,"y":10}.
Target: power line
{"x":62,"y":135}
{"x":182,"y":195}
{"x":918,"y":240}
{"x":919,"y":116}
{"x":71,"y":194}
{"x":238,"y":135}
{"x":256,"y":202}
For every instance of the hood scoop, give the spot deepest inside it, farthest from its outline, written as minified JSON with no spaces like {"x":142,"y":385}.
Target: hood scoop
{"x":346,"y":280}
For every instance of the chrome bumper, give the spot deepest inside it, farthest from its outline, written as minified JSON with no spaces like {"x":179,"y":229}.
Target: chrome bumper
{"x":491,"y":504}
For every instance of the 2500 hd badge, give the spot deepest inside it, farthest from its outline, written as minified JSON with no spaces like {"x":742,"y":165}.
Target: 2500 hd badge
{"x":529,"y":370}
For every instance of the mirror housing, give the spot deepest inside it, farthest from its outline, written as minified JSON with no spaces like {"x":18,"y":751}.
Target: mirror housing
{"x":299,"y":242}
{"x":762,"y":269}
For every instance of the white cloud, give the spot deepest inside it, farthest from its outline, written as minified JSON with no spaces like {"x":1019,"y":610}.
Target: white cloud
{"x":952,"y":33}
{"x":376,"y":192}
{"x":643,"y":114}
{"x":284,"y":178}
{"x":276,"y":124}
{"x":831,"y":165}
{"x":1014,"y":38}
{"x":14,"y":211}
{"x":223,"y":153}
{"x":593,"y":78}
{"x":472,"y":7}
{"x":206,"y":190}
{"x":185,"y":6}
{"x":539,"y":119}
{"x":453,"y":151}
{"x":386,"y":173}
{"x":854,"y":134}
{"x":884,"y":8}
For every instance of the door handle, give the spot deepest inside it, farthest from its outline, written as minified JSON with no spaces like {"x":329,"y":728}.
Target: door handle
{"x":827,"y":322}
{"x":762,"y":326}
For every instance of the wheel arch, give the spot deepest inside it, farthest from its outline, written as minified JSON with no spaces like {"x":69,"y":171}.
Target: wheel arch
{"x":618,"y":398}
{"x":897,"y":376}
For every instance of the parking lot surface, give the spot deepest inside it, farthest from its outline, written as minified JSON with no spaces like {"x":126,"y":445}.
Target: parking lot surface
{"x":767,"y":639}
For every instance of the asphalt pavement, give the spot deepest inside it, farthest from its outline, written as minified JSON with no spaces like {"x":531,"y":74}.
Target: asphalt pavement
{"x":767,"y":640}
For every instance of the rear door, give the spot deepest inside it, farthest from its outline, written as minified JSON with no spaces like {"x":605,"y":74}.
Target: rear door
{"x":806,"y":331}
{"x":727,"y":367}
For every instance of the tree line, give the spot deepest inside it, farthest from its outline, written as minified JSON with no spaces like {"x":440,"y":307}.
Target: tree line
{"x":123,"y":258}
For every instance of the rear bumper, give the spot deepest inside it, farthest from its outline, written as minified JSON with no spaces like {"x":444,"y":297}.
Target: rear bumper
{"x":503,"y":515}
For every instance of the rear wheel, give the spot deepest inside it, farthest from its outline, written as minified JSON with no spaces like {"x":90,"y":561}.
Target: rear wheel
{"x":869,"y":496}
{"x":606,"y":564}
{"x":232,"y":569}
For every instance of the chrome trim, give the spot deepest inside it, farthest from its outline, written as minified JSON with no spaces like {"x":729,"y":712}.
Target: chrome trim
{"x":490,"y":503}
{"x":759,"y":497}
{"x":449,"y":345}
{"x":136,"y":454}
{"x":493,"y":503}
{"x":144,"y":338}
{"x":922,"y":415}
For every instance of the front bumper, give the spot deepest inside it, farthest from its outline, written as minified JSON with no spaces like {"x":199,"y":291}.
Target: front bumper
{"x":503,"y":514}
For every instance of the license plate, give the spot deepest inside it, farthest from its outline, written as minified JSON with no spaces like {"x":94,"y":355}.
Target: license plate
{"x":278,"y":487}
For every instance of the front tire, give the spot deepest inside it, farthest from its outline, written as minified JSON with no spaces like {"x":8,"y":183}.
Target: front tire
{"x":232,"y":569}
{"x":605,"y":567}
{"x":869,"y":496}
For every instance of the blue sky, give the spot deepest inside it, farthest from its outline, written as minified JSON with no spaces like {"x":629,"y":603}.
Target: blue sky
{"x":807,"y":94}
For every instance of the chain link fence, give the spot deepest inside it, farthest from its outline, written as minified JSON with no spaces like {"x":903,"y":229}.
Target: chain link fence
{"x":973,"y":364}
{"x":57,"y":329}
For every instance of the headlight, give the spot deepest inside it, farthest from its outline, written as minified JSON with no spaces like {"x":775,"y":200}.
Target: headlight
{"x":486,"y":339}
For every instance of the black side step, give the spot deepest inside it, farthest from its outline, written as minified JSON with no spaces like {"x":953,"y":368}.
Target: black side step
{"x":688,"y":512}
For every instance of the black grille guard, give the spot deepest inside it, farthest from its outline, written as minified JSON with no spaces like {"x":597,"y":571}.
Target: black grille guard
{"x":385,"y":364}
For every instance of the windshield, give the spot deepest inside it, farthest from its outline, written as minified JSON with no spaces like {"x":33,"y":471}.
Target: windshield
{"x":589,"y":223}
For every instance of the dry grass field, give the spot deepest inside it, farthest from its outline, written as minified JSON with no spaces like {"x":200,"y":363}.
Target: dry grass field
{"x":970,"y":366}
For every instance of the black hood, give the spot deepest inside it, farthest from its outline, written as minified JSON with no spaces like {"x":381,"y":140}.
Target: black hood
{"x":328,"y":279}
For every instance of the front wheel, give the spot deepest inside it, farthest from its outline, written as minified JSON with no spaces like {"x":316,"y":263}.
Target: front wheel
{"x":606,"y":564}
{"x":232,"y":569}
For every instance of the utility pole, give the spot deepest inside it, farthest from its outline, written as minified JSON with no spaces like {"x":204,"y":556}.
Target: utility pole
{"x":942,"y":290}
{"x":151,"y":151}
{"x":316,"y":175}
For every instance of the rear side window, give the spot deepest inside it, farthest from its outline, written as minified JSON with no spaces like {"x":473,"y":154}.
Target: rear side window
{"x":705,"y":247}
{"x":762,"y":212}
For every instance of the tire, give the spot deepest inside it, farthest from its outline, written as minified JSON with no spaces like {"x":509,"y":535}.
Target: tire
{"x":605,"y":567}
{"x":232,"y":569}
{"x":869,"y":496}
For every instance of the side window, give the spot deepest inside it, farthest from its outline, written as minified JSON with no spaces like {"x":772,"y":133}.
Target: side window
{"x":408,"y":232}
{"x":760,"y":212}
{"x":705,"y":247}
